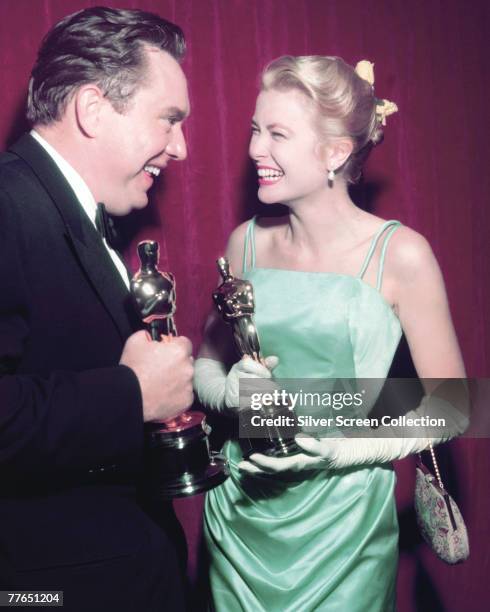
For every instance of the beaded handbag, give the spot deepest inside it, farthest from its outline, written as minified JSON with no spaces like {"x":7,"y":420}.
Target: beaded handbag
{"x":438,"y":517}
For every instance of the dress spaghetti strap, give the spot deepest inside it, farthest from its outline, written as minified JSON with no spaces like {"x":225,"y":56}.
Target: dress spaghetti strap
{"x":249,"y":240}
{"x":391,"y":226}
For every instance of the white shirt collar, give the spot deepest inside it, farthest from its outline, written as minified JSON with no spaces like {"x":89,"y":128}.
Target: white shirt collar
{"x":76,"y":182}
{"x":83,"y":194}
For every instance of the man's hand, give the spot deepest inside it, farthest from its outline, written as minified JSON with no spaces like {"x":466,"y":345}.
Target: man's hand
{"x":164,"y":371}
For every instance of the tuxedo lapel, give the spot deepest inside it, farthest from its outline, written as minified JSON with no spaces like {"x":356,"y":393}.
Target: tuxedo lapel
{"x":84,"y":240}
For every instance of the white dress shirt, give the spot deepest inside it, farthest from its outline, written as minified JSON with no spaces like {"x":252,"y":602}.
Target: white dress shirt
{"x":84,"y":197}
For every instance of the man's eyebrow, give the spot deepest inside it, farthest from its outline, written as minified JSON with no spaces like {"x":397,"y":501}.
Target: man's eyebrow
{"x":176,"y":113}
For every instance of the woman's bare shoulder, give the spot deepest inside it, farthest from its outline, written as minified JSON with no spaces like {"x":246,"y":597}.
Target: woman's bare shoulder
{"x":238,"y":234}
{"x":267,"y":228}
{"x":409,"y":249}
{"x":264,"y":228}
{"x":406,"y":246}
{"x":236,"y":245}
{"x":410,"y":259}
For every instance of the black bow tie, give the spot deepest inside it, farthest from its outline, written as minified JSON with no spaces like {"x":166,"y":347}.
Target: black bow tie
{"x":105,"y":226}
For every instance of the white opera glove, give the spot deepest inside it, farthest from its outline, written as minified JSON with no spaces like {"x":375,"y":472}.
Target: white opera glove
{"x":339,"y":453}
{"x":220,"y":390}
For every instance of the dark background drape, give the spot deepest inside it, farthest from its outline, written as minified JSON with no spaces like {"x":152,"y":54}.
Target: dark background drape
{"x":431,"y":172}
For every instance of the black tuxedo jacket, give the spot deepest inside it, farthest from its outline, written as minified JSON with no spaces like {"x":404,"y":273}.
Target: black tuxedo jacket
{"x":71,"y":424}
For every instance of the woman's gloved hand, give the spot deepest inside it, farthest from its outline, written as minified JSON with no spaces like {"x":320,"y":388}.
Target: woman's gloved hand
{"x":334,"y":453}
{"x":337,"y":453}
{"x":220,"y":390}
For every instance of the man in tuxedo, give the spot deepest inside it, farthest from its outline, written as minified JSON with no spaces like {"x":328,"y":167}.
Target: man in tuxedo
{"x":107,"y":99}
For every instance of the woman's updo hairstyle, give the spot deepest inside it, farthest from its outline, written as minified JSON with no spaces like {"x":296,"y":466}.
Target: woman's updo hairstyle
{"x":345,"y":102}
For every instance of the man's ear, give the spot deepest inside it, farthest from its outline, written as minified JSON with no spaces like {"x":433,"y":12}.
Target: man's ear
{"x":88,"y":103}
{"x":336,"y":152}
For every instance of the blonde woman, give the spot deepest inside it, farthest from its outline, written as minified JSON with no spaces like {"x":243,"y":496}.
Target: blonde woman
{"x":335,"y":286}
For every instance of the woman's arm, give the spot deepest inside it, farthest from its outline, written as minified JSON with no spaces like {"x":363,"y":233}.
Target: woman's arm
{"x":421,"y":304}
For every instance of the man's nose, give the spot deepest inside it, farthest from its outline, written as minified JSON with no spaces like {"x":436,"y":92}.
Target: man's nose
{"x":177,"y":147}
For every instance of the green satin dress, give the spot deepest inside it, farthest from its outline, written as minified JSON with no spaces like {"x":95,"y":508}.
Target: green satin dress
{"x":315,"y":540}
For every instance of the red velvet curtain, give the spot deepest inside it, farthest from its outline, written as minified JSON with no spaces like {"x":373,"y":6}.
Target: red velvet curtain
{"x":431,"y":173}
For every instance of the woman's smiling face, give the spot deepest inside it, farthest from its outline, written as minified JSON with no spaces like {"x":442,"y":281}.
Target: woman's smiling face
{"x":286,"y":148}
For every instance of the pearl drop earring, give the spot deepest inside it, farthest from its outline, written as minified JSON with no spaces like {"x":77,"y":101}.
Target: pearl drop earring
{"x":331,"y":176}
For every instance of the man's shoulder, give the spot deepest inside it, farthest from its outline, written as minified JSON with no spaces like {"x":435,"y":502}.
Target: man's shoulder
{"x":11,"y":164}
{"x":21,"y":168}
{"x":14,"y":171}
{"x":7,"y":157}
{"x":22,"y":194}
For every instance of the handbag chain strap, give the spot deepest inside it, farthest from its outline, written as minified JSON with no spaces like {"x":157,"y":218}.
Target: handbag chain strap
{"x":436,"y":466}
{"x":444,"y":492}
